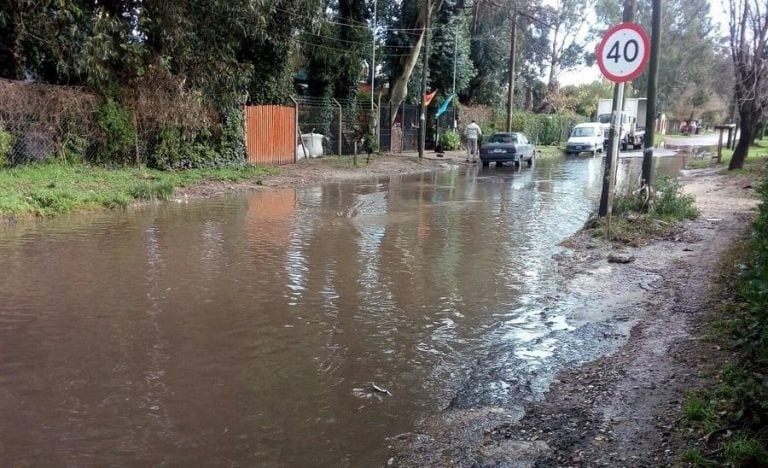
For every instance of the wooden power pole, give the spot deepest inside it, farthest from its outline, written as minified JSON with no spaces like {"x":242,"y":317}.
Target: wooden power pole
{"x":650,"y":115}
{"x":511,"y":79}
{"x":423,"y":105}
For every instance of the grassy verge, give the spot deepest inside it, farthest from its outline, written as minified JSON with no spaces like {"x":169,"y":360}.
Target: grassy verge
{"x":51,"y":189}
{"x":758,"y":156}
{"x":631,"y":225}
{"x":731,"y":420}
{"x":550,"y":151}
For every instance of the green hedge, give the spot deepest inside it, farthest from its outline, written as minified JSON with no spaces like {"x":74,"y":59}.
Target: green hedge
{"x":542,"y":129}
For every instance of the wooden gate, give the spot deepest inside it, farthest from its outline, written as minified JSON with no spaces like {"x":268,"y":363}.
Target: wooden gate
{"x":270,"y":134}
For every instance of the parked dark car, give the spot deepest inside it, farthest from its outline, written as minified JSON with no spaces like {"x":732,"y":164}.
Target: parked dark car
{"x":504,"y":147}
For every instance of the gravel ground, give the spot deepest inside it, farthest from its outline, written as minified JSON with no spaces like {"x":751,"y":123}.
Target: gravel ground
{"x":622,"y":408}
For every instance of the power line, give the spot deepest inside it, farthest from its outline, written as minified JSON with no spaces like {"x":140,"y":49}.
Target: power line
{"x":361,"y":24}
{"x":335,"y":49}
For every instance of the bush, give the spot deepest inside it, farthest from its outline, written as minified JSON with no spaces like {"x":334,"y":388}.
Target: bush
{"x":172,"y":149}
{"x":72,"y":149}
{"x":165,"y":149}
{"x":232,"y":148}
{"x":370,"y":143}
{"x":6,"y":145}
{"x":450,"y":141}
{"x":542,"y":129}
{"x":119,"y":131}
{"x":670,"y":203}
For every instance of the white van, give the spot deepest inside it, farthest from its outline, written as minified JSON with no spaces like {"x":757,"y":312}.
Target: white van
{"x":585,"y":138}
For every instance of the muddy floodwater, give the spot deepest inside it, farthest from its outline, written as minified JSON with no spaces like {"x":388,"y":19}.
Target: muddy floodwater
{"x":248,"y":330}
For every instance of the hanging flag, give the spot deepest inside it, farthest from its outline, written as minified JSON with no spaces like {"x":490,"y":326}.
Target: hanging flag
{"x":428,"y":97}
{"x":444,"y":106}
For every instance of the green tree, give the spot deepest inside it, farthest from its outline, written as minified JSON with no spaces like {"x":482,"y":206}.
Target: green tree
{"x":567,"y":23}
{"x":749,"y":50}
{"x":585,"y":97}
{"x":693,"y":77}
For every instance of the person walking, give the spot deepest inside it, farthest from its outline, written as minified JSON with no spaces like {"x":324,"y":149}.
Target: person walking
{"x":472,"y":132}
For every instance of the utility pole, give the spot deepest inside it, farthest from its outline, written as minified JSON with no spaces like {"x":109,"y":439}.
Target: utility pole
{"x":612,"y":158}
{"x":455,"y":55}
{"x":511,"y":79}
{"x":423,"y":105}
{"x":453,"y":89}
{"x":650,"y":115}
{"x":373,"y":52}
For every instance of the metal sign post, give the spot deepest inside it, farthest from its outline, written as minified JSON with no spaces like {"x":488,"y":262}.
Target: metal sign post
{"x":622,"y":55}
{"x":614,"y":154}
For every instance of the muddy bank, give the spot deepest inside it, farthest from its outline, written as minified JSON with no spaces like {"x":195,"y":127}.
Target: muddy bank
{"x":323,"y":170}
{"x":614,"y":397}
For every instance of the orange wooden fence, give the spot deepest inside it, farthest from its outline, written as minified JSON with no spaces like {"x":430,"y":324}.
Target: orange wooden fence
{"x":270,"y":134}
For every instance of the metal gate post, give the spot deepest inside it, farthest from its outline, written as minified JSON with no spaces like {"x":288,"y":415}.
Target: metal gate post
{"x":245,"y":132}
{"x":296,"y":133}
{"x":340,"y":124}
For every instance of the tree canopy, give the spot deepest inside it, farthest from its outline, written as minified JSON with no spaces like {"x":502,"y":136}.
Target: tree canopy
{"x":227,"y":51}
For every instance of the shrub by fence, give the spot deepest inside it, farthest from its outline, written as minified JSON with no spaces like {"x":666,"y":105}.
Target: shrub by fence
{"x":159,"y":124}
{"x":543,"y":129}
{"x":41,"y":121}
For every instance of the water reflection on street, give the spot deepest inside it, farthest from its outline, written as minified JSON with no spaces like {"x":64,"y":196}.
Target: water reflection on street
{"x":236,"y":330}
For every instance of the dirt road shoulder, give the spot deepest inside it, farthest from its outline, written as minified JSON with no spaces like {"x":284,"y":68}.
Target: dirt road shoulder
{"x":621,"y":408}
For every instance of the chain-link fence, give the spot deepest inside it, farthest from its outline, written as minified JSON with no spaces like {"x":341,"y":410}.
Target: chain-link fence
{"x":158,"y":125}
{"x":403,"y":133}
{"x":38,"y":122}
{"x":340,"y":122}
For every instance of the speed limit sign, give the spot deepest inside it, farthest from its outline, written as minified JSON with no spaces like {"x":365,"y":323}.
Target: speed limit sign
{"x":624,"y":52}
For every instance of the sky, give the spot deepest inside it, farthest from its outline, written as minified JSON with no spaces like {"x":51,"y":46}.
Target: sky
{"x":584,"y":74}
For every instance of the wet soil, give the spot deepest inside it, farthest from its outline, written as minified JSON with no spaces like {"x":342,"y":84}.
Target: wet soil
{"x":325,"y":170}
{"x":623,"y":408}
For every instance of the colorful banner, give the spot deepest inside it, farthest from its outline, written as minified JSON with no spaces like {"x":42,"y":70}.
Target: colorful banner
{"x":444,"y":106}
{"x":428,"y":97}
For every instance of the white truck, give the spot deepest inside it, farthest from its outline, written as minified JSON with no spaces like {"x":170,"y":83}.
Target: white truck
{"x":632,"y":121}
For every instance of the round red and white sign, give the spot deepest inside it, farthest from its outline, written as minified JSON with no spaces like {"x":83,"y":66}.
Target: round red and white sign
{"x":624,"y":52}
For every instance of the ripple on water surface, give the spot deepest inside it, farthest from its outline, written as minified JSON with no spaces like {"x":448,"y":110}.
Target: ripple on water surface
{"x":221,"y":330}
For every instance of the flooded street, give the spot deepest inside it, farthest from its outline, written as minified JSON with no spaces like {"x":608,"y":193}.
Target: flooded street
{"x":248,"y":330}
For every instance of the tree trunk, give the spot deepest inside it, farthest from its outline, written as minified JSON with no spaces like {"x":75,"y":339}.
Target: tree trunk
{"x":400,"y":88}
{"x":745,"y":138}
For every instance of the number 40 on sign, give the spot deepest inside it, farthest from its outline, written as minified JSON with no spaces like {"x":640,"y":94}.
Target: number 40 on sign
{"x":624,"y":52}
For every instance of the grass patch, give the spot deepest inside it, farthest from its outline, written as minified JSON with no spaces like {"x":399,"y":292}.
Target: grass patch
{"x":745,"y":451}
{"x":631,"y":225}
{"x":152,"y":190}
{"x":699,"y":411}
{"x":694,"y":457}
{"x":756,"y":159}
{"x":57,"y":188}
{"x":549,"y":151}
